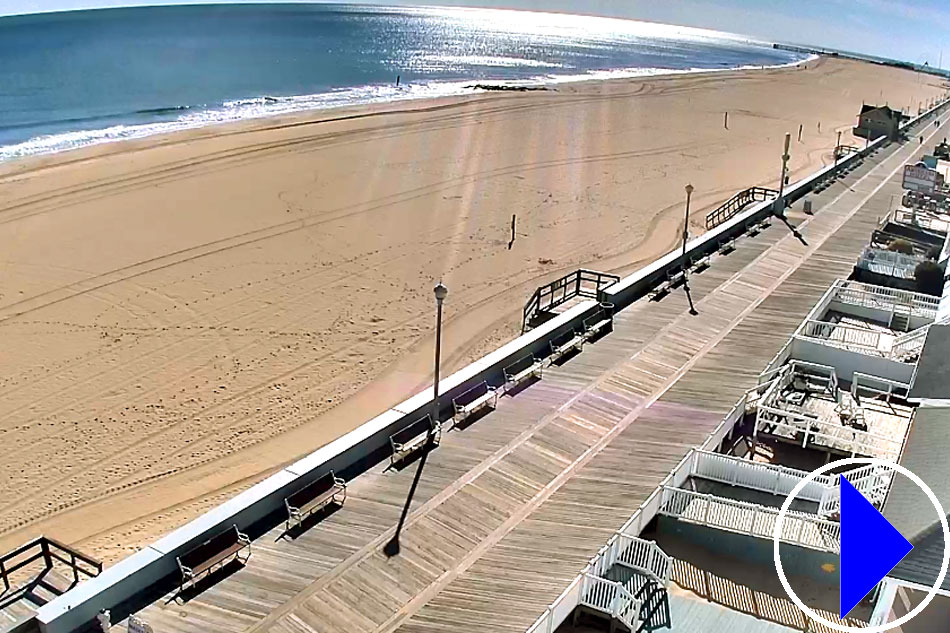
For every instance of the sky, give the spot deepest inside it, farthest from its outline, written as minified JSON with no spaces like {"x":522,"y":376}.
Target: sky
{"x":914,"y":31}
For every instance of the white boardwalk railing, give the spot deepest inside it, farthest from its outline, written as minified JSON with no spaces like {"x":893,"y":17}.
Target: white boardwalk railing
{"x":611,"y":598}
{"x":799,"y":528}
{"x":849,"y":337}
{"x":635,"y":553}
{"x":871,"y":481}
{"x":883,"y":298}
{"x":804,"y":430}
{"x":777,"y":480}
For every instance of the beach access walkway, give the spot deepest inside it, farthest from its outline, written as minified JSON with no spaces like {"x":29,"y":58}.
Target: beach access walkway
{"x":511,"y":507}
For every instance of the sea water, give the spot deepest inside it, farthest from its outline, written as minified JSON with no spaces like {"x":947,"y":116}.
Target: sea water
{"x":78,"y":78}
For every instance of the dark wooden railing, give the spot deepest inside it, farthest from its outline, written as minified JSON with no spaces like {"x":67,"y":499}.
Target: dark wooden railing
{"x":737,"y":203}
{"x":580,"y":283}
{"x":48,"y":550}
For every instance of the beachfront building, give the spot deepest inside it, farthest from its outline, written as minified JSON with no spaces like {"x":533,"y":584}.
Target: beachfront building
{"x":907,"y":507}
{"x":877,"y":121}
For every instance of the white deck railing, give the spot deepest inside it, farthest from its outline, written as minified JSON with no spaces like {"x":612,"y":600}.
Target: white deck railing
{"x":849,"y":337}
{"x":886,"y":299}
{"x":611,"y":598}
{"x":863,"y":384}
{"x":804,"y":429}
{"x":890,"y":263}
{"x":777,"y":480}
{"x":640,"y":555}
{"x":731,"y":515}
{"x":871,"y":481}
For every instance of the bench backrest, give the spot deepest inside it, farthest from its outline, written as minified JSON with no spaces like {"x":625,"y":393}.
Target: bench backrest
{"x":471,"y":395}
{"x":407,"y":433}
{"x":595,"y":318}
{"x":520,"y":365}
{"x":312,"y":490}
{"x":563,"y":338}
{"x":207,"y":550}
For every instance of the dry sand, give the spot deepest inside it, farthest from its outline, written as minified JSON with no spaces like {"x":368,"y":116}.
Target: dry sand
{"x":182,"y":315}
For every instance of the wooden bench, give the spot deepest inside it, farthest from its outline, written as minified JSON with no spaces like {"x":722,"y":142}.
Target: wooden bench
{"x":564,"y":344}
{"x":672,"y":281}
{"x":411,"y":438}
{"x":521,"y":370}
{"x":701,"y":264}
{"x":314,"y":496}
{"x":602,"y":320}
{"x":216,"y":551}
{"x":479,"y":397}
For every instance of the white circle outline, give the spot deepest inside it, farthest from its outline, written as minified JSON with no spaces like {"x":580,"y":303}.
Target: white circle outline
{"x":780,"y":521}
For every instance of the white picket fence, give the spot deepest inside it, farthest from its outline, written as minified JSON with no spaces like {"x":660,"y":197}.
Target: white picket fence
{"x":610,"y":598}
{"x":731,"y":515}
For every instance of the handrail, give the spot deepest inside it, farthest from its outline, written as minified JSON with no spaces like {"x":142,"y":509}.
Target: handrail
{"x":872,"y":481}
{"x":860,"y":382}
{"x":612,"y":598}
{"x":563,"y":289}
{"x":736,"y":203}
{"x":853,"y":441}
{"x":885,"y":262}
{"x":731,"y":515}
{"x":48,"y":551}
{"x":771,"y":478}
{"x":883,"y":298}
{"x":848,"y":337}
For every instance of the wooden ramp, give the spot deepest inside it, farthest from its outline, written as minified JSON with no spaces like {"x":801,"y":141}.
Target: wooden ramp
{"x":510,"y":509}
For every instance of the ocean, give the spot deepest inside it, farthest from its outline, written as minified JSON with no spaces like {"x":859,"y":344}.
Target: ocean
{"x":78,"y":78}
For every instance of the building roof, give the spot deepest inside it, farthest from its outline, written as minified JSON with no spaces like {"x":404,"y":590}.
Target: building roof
{"x":932,"y":379}
{"x":908,"y":508}
{"x":885,"y":110}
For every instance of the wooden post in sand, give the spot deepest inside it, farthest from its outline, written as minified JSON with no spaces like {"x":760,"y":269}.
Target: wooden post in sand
{"x":801,"y":128}
{"x":512,"y":240}
{"x":725,"y":120}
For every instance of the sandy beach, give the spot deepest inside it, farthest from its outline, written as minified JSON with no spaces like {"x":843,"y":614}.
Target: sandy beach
{"x":182,"y":315}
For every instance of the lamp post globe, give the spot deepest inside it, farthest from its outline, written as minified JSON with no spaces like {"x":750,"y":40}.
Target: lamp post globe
{"x":441,"y":292}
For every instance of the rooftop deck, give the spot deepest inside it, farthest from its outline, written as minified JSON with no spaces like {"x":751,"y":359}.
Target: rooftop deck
{"x":512,"y":507}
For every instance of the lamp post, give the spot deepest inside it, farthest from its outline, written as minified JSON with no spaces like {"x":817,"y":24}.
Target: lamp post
{"x":441,"y":292}
{"x":689,"y":195}
{"x":780,"y":201}
{"x":837,"y":150}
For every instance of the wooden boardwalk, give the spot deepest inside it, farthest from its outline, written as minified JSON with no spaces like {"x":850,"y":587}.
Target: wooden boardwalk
{"x":511,"y":508}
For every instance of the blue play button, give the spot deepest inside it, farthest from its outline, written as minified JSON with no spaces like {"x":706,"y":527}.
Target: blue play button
{"x":870,"y":547}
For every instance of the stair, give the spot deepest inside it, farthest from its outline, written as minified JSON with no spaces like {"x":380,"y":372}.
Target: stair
{"x":900,"y":321}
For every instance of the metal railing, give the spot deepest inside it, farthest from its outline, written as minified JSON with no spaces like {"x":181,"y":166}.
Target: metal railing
{"x":736,"y":203}
{"x":741,"y":517}
{"x":580,"y":283}
{"x":48,"y":550}
{"x":611,"y":598}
